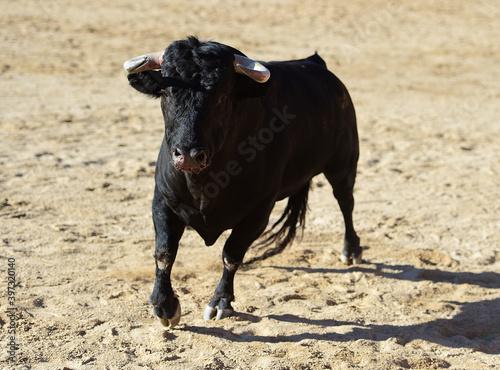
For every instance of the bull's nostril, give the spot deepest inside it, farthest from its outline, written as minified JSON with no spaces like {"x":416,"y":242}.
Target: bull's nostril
{"x":201,"y":158}
{"x":177,"y":153}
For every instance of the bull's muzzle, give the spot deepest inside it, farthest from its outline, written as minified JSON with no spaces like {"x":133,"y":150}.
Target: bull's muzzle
{"x":193,"y":160}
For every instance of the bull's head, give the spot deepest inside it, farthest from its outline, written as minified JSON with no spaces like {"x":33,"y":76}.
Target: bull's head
{"x":198,"y":83}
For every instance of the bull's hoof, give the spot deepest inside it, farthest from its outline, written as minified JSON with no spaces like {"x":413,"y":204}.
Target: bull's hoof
{"x":209,"y":313}
{"x":173,"y":321}
{"x":352,"y":259}
{"x":221,"y":311}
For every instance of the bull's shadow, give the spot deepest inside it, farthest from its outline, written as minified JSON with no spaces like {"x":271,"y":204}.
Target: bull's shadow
{"x":407,"y":272}
{"x":476,"y":326}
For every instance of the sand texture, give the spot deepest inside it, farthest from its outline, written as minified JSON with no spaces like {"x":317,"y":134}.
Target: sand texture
{"x":77,"y":153}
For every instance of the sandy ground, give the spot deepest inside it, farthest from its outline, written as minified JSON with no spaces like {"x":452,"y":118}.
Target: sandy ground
{"x":77,"y":154}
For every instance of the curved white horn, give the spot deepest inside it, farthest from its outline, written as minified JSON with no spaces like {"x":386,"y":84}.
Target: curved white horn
{"x":144,"y":62}
{"x":255,"y":70}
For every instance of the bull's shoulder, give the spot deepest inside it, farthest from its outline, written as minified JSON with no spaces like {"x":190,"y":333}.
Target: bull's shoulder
{"x":307,"y":73}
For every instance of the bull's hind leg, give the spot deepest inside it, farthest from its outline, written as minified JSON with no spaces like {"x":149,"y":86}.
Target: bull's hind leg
{"x":343,"y":192}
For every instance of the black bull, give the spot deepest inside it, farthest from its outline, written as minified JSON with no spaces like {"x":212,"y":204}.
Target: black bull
{"x":235,"y":143}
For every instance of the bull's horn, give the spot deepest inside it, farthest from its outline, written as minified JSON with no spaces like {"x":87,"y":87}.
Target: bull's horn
{"x":251,"y":68}
{"x":144,"y":62}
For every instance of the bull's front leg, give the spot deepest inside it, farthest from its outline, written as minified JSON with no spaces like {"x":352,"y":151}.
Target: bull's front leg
{"x":168,"y":231}
{"x":234,"y":251}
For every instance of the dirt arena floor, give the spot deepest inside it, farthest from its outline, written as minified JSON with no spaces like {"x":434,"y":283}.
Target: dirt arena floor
{"x":77,"y":154}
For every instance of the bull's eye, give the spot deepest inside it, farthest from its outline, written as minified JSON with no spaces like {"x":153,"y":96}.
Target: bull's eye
{"x":166,"y":101}
{"x":165,"y":92}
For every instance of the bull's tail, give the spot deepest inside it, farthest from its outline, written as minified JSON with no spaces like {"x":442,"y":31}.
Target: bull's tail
{"x":293,"y":218}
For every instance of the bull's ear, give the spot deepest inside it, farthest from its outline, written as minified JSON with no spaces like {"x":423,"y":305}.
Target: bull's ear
{"x":245,"y":87}
{"x":148,"y":82}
